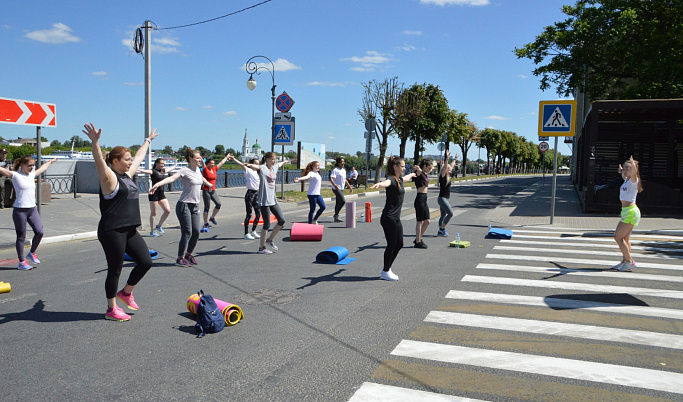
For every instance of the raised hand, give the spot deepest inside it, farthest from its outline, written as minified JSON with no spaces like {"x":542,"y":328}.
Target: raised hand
{"x":153,"y":134}
{"x":92,"y":133}
{"x":230,"y":157}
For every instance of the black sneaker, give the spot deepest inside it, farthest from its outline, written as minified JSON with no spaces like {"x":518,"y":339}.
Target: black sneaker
{"x":336,"y":219}
{"x":421,"y":244}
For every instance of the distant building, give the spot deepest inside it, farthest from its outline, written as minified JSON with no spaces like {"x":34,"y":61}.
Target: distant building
{"x":250,"y":153}
{"x":26,"y":141}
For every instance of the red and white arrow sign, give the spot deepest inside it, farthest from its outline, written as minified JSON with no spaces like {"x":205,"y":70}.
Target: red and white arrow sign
{"x":15,"y":111}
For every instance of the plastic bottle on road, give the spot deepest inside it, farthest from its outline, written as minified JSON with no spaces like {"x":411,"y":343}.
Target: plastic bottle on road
{"x":457,"y":240}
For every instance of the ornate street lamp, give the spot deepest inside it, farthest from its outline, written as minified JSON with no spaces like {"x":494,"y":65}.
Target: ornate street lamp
{"x":253,"y":68}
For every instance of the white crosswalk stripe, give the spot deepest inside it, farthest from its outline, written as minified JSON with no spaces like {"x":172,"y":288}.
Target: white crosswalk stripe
{"x":495,"y":301}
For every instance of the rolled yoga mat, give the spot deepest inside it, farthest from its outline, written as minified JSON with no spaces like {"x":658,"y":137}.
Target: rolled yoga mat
{"x":232,"y":313}
{"x":351,"y":215}
{"x":5,"y":287}
{"x":306,"y":232}
{"x":152,"y":253}
{"x":496,"y":233}
{"x":334,"y":255}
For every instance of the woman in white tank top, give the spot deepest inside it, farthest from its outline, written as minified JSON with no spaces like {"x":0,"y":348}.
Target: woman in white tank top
{"x":312,"y":173}
{"x":630,"y":214}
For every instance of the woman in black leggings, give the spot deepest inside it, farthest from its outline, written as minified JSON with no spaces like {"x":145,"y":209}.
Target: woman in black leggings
{"x":120,"y":209}
{"x":391,"y":214}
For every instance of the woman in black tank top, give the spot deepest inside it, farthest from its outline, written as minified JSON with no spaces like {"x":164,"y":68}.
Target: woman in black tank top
{"x":445,"y":194}
{"x":391,"y":214}
{"x":157,"y":174}
{"x":117,"y":231}
{"x":422,"y":215}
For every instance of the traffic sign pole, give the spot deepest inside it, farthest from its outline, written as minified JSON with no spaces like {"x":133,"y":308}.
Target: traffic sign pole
{"x":552,"y":201}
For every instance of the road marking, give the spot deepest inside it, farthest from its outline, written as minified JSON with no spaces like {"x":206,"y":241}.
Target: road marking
{"x":371,"y":391}
{"x":581,"y":272}
{"x":579,"y":261}
{"x":603,"y":234}
{"x":10,"y":299}
{"x":592,"y":240}
{"x":558,"y":329}
{"x":550,"y":366}
{"x":566,"y":304}
{"x":538,"y":250}
{"x":673,"y":294}
{"x":613,"y":245}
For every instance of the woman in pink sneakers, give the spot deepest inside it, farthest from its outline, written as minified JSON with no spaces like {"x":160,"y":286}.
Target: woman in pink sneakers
{"x":120,"y":209}
{"x":25,"y":211}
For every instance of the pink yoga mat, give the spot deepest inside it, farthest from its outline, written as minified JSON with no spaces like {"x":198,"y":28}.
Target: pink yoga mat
{"x":306,"y":232}
{"x":231,"y":312}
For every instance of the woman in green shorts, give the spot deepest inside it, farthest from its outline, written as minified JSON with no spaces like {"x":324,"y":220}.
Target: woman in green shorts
{"x":630,"y":214}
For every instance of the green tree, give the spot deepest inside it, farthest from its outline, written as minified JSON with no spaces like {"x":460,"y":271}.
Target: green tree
{"x":379,"y":102}
{"x":55,"y":143}
{"x":219,"y":149}
{"x":434,"y":117}
{"x":612,"y":49}
{"x":490,"y":138}
{"x":168,"y":150}
{"x":408,"y":112}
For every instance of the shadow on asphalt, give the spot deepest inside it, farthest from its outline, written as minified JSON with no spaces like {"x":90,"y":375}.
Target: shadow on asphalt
{"x":38,"y":314}
{"x":612,"y":298}
{"x":314,"y":280}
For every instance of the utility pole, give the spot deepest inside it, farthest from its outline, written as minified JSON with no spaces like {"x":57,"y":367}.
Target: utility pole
{"x":148,"y":90}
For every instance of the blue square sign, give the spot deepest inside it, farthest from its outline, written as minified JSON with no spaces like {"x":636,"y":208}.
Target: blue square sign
{"x":556,"y":118}
{"x":284,"y":133}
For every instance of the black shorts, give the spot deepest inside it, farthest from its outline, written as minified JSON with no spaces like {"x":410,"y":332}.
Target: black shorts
{"x":157,"y":196}
{"x":421,"y":208}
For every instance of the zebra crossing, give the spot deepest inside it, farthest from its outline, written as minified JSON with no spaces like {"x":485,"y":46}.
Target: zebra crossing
{"x":544,"y":317}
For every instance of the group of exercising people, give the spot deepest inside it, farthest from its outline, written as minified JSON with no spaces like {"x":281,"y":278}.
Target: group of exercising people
{"x":120,"y":211}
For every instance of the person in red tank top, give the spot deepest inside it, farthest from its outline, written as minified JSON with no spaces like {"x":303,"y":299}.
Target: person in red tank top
{"x":209,"y":194}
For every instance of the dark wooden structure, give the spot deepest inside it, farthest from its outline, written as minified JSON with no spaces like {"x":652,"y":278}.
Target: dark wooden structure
{"x":651,"y":131}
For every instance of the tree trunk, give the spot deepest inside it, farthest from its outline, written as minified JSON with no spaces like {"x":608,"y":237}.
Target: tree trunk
{"x":380,"y":161}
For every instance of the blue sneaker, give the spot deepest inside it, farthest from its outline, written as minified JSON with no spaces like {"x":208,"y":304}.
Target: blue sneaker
{"x":213,"y":220}
{"x":153,"y":233}
{"x":442,"y":232}
{"x":160,"y":229}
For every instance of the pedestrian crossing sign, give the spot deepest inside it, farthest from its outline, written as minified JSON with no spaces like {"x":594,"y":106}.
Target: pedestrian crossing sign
{"x":557,"y":118}
{"x":284,"y":133}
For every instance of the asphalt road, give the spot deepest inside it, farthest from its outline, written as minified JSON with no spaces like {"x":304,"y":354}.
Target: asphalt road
{"x":311,"y":332}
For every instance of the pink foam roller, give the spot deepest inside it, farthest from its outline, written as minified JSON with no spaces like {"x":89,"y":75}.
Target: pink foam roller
{"x":306,"y":232}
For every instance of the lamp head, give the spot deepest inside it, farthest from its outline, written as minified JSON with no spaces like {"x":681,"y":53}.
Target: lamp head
{"x":251,"y":82}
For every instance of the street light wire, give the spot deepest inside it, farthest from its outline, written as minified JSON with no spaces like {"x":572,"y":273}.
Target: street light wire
{"x":217,"y":18}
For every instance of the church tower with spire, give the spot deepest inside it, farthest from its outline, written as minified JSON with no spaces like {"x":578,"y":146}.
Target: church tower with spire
{"x":245,"y":144}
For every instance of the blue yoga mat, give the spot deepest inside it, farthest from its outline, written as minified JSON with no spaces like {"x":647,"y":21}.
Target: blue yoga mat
{"x":496,"y":233}
{"x":152,"y":253}
{"x":334,"y":255}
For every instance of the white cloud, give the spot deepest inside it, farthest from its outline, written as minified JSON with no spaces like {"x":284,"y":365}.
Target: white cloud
{"x":407,"y":48}
{"x":522,"y":76}
{"x":181,"y":109}
{"x":230,"y":113}
{"x":370,"y":61}
{"x":160,"y":44}
{"x":457,"y":2}
{"x":134,"y":84}
{"x":331,"y":136}
{"x":101,"y":73}
{"x":326,"y":84}
{"x":207,"y":107}
{"x":496,"y":118}
{"x":59,"y":33}
{"x":7,"y":27}
{"x":409,"y":32}
{"x":280,"y":65}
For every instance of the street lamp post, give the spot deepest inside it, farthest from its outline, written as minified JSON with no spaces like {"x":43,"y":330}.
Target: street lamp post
{"x":253,"y":68}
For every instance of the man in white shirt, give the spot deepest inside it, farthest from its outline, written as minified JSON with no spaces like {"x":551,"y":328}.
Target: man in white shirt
{"x":339,"y":182}
{"x":353,"y":176}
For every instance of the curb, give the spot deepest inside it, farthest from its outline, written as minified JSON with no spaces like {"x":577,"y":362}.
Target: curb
{"x":57,"y":239}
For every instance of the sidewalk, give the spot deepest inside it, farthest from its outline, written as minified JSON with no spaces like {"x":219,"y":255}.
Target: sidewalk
{"x":66,"y":218}
{"x":531,"y":207}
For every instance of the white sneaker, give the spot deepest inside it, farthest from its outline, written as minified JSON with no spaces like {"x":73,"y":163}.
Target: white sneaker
{"x":255,"y":235}
{"x":627,"y":267}
{"x":248,"y":237}
{"x":315,"y":222}
{"x":618,"y":265}
{"x":388,"y":276}
{"x":24,"y":266}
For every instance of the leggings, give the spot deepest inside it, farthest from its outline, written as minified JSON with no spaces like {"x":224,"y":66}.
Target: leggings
{"x":393,"y":231}
{"x":116,"y":243}
{"x":339,"y":200}
{"x":20,"y":217}
{"x":251,"y":202}
{"x":265,"y":213}
{"x":446,"y":211}
{"x":188,"y":216}
{"x":312,"y":200}
{"x":209,"y":196}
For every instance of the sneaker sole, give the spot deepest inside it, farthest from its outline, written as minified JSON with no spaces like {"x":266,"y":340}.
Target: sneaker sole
{"x":106,"y":317}
{"x":126,"y":304}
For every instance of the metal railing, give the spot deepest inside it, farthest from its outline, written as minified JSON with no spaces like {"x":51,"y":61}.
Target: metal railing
{"x":62,"y":183}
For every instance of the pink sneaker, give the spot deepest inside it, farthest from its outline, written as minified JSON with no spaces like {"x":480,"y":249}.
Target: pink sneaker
{"x":117,"y":315}
{"x":127,"y":300}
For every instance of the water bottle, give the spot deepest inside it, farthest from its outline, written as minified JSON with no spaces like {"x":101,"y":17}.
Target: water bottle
{"x":489,"y":226}
{"x":457,"y":240}
{"x":362,"y":218}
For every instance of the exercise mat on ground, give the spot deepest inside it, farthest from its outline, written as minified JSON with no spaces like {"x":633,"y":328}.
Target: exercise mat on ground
{"x":152,"y":253}
{"x":232,"y":313}
{"x":462,"y":244}
{"x":5,"y":287}
{"x":496,"y":233}
{"x":334,"y":255}
{"x":306,"y":232}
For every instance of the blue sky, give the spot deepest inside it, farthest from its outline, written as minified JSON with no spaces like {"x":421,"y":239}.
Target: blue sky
{"x":77,"y":54}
